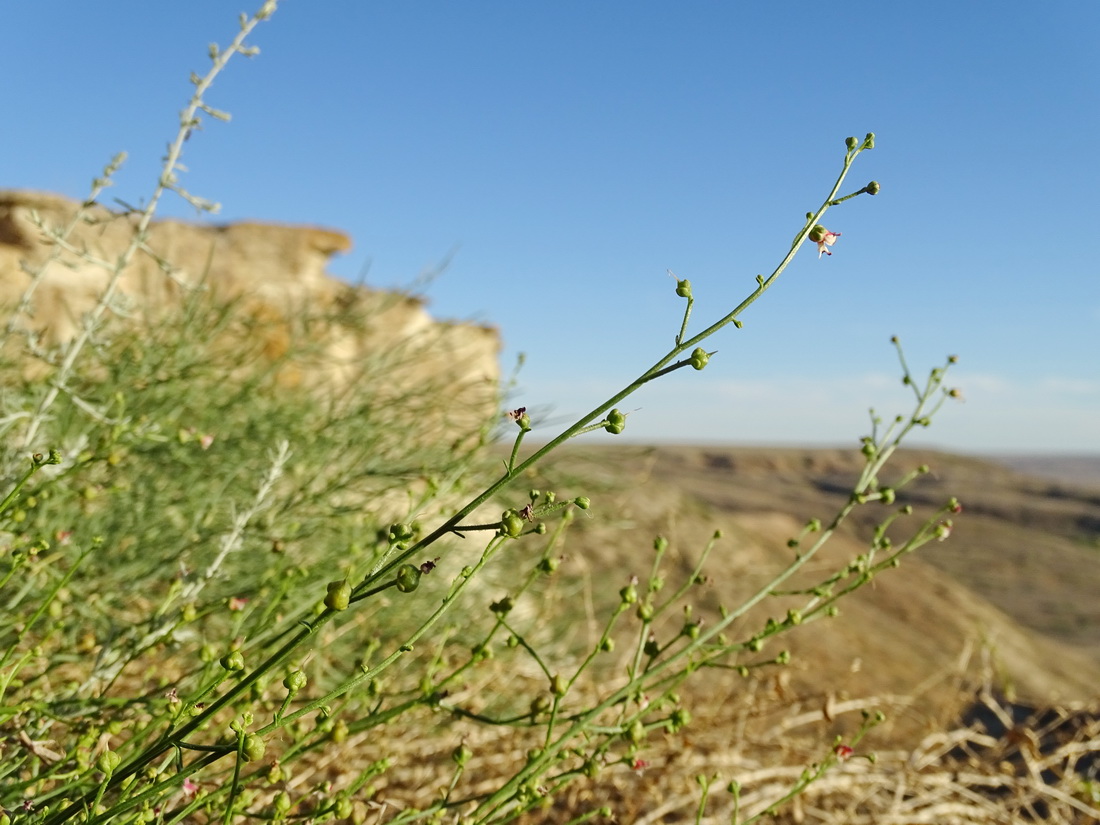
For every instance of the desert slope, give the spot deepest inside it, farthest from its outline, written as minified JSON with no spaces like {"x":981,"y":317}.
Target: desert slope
{"x":1009,"y":599}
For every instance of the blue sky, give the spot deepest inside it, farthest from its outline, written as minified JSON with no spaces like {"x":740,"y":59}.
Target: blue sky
{"x":569,"y":153}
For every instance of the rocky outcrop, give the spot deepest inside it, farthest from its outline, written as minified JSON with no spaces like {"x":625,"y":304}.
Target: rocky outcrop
{"x":274,"y":275}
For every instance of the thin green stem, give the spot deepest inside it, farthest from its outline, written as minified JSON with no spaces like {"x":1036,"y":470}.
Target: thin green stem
{"x":655,"y":371}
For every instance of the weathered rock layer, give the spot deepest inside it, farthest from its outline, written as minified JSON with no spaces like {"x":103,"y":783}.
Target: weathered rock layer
{"x":274,"y":275}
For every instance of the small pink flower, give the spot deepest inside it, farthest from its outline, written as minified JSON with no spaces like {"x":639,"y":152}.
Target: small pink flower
{"x":205,"y":440}
{"x":237,"y":603}
{"x":639,"y":766}
{"x":843,"y":752}
{"x":826,"y":240}
{"x":190,"y":789}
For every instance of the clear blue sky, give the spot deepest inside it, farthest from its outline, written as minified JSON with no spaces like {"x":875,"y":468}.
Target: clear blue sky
{"x":572,"y":152}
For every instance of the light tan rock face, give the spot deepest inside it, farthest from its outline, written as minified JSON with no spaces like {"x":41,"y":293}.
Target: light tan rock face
{"x":276,"y":276}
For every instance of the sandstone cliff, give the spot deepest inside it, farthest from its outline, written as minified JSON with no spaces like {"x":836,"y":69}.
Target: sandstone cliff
{"x":273,"y":274}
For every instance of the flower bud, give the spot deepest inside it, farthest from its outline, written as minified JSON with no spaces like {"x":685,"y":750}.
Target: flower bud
{"x":869,"y":141}
{"x":873,"y":188}
{"x":851,"y":143}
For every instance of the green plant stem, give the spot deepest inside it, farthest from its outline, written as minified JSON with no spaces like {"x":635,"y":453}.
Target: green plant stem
{"x":585,"y":720}
{"x":655,"y":371}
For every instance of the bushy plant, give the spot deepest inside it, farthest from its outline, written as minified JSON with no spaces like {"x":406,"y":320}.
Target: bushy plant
{"x":214,"y":584}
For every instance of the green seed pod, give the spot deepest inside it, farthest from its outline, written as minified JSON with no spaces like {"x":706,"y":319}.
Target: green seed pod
{"x":817,"y":233}
{"x":107,"y":762}
{"x":699,"y":358}
{"x":873,"y":188}
{"x":558,"y":685}
{"x":629,"y":594}
{"x":281,"y":804}
{"x":869,"y":141}
{"x":511,"y":524}
{"x":253,"y":748}
{"x":339,"y":732}
{"x":651,"y":648}
{"x":635,"y":734}
{"x":683,"y":288}
{"x":680,"y":718}
{"x":645,"y":612}
{"x":339,"y":595}
{"x":343,"y":808}
{"x":583,"y":502}
{"x":295,"y":681}
{"x":616,"y":422}
{"x":232,"y":661}
{"x":400,"y":532}
{"x":408,"y":578}
{"x":461,"y":755}
{"x":502,"y":607}
{"x":851,"y":142}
